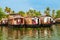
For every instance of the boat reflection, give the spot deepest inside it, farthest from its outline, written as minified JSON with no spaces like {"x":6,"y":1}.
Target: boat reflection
{"x":7,"y":33}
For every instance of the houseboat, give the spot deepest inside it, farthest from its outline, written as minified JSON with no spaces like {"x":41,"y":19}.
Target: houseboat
{"x":4,"y":22}
{"x":19,"y":21}
{"x":28,"y":22}
{"x":45,"y":21}
{"x":35,"y":22}
{"x":57,"y":20}
{"x":16,"y":20}
{"x":31,"y":22}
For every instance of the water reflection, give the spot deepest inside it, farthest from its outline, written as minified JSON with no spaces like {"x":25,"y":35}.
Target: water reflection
{"x":46,"y":33}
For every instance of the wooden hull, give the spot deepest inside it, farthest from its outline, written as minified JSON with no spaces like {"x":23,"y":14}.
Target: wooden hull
{"x":46,"y":25}
{"x":28,"y":26}
{"x":19,"y":26}
{"x":3,"y":24}
{"x":32,"y":26}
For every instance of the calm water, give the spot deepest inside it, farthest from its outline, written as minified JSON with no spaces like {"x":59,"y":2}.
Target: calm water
{"x":52,"y":33}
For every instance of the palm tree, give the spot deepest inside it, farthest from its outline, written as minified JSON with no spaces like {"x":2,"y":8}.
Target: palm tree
{"x":21,"y":13}
{"x":58,"y":14}
{"x":47,"y":11}
{"x":37,"y":13}
{"x":8,"y":10}
{"x":13,"y":12}
{"x":53,"y":14}
{"x":2,"y":13}
{"x":33,"y":13}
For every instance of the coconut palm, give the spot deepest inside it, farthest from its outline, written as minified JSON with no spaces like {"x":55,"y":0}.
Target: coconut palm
{"x":13,"y":12}
{"x":30,"y":12}
{"x":53,"y":13}
{"x":21,"y":13}
{"x":33,"y":13}
{"x":47,"y":11}
{"x":58,"y":14}
{"x":8,"y":10}
{"x":37,"y":13}
{"x":2,"y":14}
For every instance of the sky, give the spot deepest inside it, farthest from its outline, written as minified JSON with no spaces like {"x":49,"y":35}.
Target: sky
{"x":25,"y":5}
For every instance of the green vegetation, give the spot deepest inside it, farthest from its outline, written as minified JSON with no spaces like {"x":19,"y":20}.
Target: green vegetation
{"x":21,"y":13}
{"x":2,"y":13}
{"x":53,"y":13}
{"x":47,"y":11}
{"x":58,"y":14}
{"x":30,"y":12}
{"x":33,"y":13}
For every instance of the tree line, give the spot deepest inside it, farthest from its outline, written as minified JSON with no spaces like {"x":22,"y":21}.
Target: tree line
{"x":30,"y":12}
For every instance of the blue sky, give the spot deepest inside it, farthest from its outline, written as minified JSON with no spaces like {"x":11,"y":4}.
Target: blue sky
{"x":25,"y":5}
